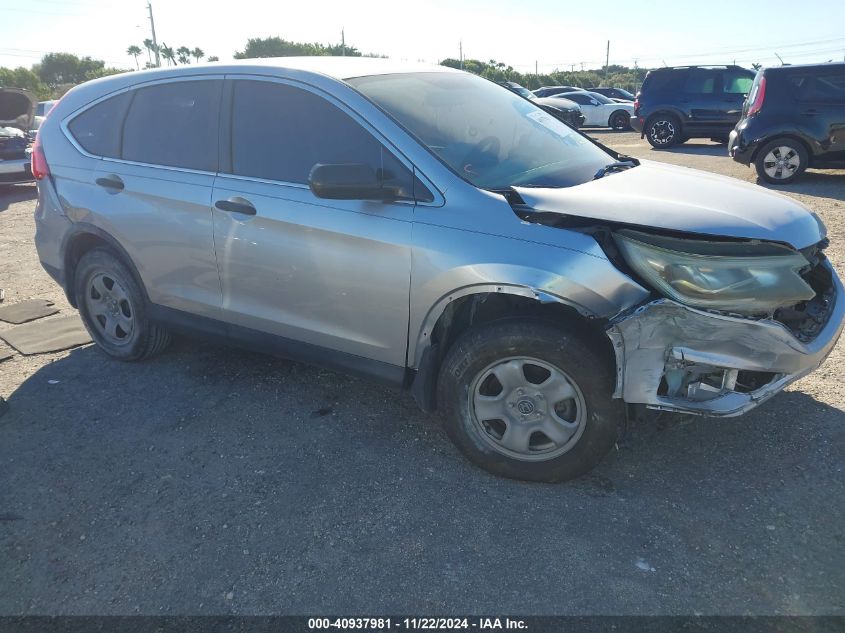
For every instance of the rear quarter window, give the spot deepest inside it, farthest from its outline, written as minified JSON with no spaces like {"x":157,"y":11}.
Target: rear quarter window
{"x":97,"y":129}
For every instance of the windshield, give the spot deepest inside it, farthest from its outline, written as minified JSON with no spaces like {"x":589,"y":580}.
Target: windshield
{"x":489,"y":136}
{"x":598,"y":97}
{"x":524,"y":92}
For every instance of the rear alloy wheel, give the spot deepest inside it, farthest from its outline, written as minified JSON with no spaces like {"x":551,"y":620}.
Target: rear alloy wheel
{"x":620,"y":121}
{"x":529,"y":400}
{"x":781,"y":161}
{"x":113,"y":308}
{"x":663,"y":132}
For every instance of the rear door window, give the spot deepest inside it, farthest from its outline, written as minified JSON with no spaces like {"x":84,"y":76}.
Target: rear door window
{"x":97,"y":129}
{"x":279,"y":132}
{"x":819,"y":88}
{"x":700,"y":82}
{"x":174,"y":124}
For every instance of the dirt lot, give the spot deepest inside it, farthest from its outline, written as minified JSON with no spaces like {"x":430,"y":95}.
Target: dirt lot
{"x":210,"y":480}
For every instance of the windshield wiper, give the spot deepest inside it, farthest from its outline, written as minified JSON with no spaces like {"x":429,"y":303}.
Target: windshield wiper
{"x":612,"y":168}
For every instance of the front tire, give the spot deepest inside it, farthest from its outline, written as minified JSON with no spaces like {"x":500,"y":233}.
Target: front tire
{"x":781,"y":161}
{"x":662,"y":131}
{"x":527,"y":400}
{"x":113,"y":308}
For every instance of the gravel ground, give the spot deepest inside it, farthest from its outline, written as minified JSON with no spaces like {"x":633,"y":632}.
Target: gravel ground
{"x":212,"y":481}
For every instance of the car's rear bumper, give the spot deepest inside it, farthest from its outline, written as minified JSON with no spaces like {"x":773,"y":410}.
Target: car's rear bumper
{"x":738,"y":146}
{"x":664,"y":344}
{"x":637,"y":123}
{"x":15,"y":171}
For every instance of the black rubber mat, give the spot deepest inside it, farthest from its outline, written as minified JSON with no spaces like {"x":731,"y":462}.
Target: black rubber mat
{"x":27,"y":311}
{"x":49,"y":335}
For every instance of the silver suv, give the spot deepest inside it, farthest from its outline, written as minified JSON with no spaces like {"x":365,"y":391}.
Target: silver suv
{"x":431,"y":229}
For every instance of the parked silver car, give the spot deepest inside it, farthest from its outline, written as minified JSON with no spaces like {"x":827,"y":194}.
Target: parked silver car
{"x":423,"y":226}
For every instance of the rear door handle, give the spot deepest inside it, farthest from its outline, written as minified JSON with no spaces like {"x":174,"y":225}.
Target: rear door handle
{"x":236,"y":205}
{"x":111,"y":182}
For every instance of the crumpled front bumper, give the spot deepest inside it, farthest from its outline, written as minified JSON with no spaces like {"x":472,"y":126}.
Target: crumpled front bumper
{"x":662,"y":337}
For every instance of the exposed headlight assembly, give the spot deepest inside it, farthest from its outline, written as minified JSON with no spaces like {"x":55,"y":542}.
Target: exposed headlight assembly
{"x":742,"y":277}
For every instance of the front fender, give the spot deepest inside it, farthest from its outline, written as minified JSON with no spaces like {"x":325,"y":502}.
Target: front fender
{"x":579,"y":276}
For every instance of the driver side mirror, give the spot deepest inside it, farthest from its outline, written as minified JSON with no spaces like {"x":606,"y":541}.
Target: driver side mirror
{"x":349,"y":181}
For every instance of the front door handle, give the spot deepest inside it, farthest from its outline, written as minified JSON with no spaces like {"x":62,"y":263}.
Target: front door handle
{"x":236,"y":205}
{"x":111,"y":182}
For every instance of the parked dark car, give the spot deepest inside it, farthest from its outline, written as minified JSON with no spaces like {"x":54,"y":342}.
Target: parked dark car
{"x":794,"y":118}
{"x":549,"y":91}
{"x":614,"y":93}
{"x":17,"y":109}
{"x":562,"y":109}
{"x":684,"y":102}
{"x":522,"y":91}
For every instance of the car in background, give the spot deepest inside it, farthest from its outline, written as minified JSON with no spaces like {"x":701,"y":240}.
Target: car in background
{"x":562,"y":109}
{"x":17,"y":111}
{"x":794,"y":118}
{"x":522,"y":91}
{"x":678,"y":103}
{"x":550,"y":91}
{"x":41,"y":111}
{"x":599,"y":111}
{"x":617,"y":94}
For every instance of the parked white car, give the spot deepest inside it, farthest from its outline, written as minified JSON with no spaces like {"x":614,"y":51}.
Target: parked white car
{"x":599,"y":111}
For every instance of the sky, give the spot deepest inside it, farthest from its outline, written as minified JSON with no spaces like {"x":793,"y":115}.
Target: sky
{"x":529,"y":34}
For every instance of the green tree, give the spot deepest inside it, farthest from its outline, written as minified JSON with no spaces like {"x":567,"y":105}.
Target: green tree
{"x":214,"y":58}
{"x":168,"y":54}
{"x":56,"y":69}
{"x":183,"y":54}
{"x":134,"y":51}
{"x":198,"y":54}
{"x":278,"y":47}
{"x":25,"y":78}
{"x":148,"y":44}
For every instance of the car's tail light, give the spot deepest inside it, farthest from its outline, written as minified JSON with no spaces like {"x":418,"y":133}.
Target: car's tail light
{"x":40,"y":168}
{"x":759,"y":96}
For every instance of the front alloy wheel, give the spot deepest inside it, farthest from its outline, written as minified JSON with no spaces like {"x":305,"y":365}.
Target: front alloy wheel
{"x":527,"y":409}
{"x":530,"y":399}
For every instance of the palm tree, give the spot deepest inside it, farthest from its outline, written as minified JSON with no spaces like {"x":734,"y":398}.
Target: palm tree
{"x":134,"y":51}
{"x":148,"y":44}
{"x":184,"y":54}
{"x":168,"y":54}
{"x":198,"y":54}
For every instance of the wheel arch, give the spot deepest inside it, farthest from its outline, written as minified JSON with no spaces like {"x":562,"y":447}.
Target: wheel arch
{"x":786,"y":135}
{"x":83,"y":238}
{"x":471,"y":306}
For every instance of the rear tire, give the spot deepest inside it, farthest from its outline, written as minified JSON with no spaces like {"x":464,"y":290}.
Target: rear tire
{"x":620,"y":121}
{"x":114,"y":309}
{"x":781,"y":161}
{"x":528,"y":400}
{"x":662,"y":131}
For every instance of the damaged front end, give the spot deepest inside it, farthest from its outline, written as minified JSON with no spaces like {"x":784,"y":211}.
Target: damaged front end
{"x":678,"y":358}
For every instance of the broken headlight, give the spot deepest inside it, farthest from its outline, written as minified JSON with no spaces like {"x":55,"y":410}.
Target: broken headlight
{"x":747,"y":277}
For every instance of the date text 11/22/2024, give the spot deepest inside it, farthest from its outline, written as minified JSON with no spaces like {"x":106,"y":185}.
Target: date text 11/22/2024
{"x":416,"y":623}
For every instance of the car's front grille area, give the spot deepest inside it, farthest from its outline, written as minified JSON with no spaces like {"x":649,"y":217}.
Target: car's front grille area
{"x":807,"y":319}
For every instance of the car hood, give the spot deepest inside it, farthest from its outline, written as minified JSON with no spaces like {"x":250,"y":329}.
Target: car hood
{"x":564,"y":105}
{"x":17,"y":108}
{"x":657,"y":195}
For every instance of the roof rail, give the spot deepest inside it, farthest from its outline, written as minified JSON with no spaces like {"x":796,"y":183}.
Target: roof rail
{"x":698,"y":66}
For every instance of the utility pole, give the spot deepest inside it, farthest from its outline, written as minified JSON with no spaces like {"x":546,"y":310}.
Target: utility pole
{"x":607,"y":62}
{"x":461,"y":52}
{"x":153,"y":29}
{"x":536,"y":70}
{"x":342,"y":43}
